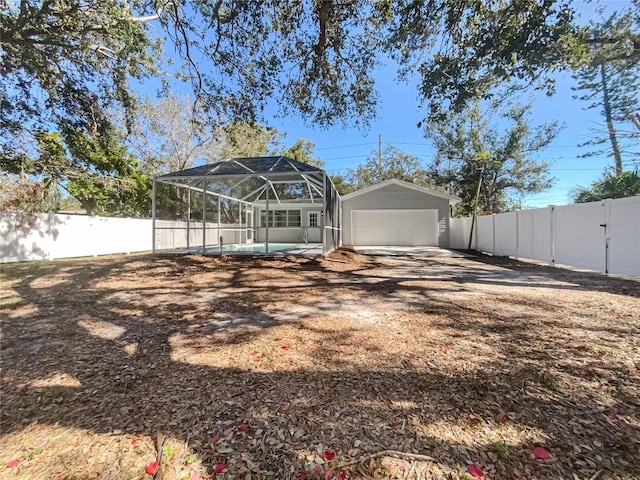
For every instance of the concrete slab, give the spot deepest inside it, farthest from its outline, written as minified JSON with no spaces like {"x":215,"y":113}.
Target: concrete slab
{"x":410,"y":251}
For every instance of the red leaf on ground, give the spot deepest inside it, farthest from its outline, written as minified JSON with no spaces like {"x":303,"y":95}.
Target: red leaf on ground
{"x":503,"y":419}
{"x":342,"y":476}
{"x":474,"y":470}
{"x":219,"y":468}
{"x":134,"y":441}
{"x":312,"y":347}
{"x":152,"y":468}
{"x":243,"y":427}
{"x":300,"y":476}
{"x":284,"y":347}
{"x":399,"y":333}
{"x":39,"y":442}
{"x":445,"y":349}
{"x":253,"y":354}
{"x":195,"y":476}
{"x":318,"y":470}
{"x":328,"y":455}
{"x":13,"y":463}
{"x":328,"y":475}
{"x":231,"y":363}
{"x":541,"y":452}
{"x":227,"y":432}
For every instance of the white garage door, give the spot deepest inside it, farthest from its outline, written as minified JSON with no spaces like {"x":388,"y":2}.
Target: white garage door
{"x":394,"y":227}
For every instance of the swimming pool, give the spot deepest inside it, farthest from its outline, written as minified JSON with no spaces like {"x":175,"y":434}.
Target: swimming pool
{"x":260,"y":247}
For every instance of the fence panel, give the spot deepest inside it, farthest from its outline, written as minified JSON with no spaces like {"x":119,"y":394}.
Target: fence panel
{"x":534,"y":234}
{"x":459,"y":231}
{"x":579,"y":235}
{"x":20,"y":241}
{"x":506,"y":233}
{"x":623,"y":236}
{"x":484,"y":233}
{"x":602,"y":236}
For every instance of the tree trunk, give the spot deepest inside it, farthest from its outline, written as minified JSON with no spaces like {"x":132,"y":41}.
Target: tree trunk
{"x":615,"y":146}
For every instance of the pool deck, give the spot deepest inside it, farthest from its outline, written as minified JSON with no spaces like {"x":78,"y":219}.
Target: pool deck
{"x":310,"y":250}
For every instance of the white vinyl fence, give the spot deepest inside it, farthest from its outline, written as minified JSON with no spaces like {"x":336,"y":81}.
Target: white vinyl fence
{"x":602,"y":236}
{"x":50,"y":236}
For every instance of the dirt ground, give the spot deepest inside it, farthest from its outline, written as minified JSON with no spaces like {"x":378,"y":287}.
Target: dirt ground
{"x":348,"y":367}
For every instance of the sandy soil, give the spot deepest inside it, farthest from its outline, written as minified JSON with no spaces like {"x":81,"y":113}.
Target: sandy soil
{"x":349,"y":367}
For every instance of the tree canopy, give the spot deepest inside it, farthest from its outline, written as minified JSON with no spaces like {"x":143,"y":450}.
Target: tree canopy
{"x":610,"y":83}
{"x":611,"y":185}
{"x":166,"y":136}
{"x":495,"y":144}
{"x":387,"y":164}
{"x":70,"y":60}
{"x":97,"y":172}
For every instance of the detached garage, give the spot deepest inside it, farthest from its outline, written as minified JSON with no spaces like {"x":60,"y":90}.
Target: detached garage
{"x":396,"y":212}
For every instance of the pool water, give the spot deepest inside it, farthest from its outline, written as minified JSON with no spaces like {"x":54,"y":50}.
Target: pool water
{"x":259,"y":247}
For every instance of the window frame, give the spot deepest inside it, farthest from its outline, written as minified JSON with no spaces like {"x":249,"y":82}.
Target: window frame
{"x":278,"y":215}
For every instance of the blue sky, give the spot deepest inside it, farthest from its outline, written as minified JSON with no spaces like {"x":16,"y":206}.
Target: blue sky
{"x":398,"y":114}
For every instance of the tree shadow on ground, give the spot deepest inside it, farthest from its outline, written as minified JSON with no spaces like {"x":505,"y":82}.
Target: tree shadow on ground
{"x":155,"y":344}
{"x":592,"y":281}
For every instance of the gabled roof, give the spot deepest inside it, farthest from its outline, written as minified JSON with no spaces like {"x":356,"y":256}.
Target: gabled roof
{"x":246,"y":166}
{"x":412,"y":186}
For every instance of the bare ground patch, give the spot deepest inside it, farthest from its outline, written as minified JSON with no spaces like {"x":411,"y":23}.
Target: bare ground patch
{"x":350,"y":367}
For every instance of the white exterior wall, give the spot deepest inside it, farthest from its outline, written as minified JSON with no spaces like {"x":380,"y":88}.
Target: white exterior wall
{"x":290,"y":234}
{"x":602,"y":236}
{"x":396,"y":197}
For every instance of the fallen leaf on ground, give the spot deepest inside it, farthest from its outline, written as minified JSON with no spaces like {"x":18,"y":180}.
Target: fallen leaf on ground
{"x":328,"y":455}
{"x":13,"y":463}
{"x":541,"y":453}
{"x":152,"y":468}
{"x":474,"y":470}
{"x":219,"y":468}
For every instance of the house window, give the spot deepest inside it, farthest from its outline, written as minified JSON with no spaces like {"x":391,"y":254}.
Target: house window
{"x":293,"y":218}
{"x":281,"y":218}
{"x":313,"y":219}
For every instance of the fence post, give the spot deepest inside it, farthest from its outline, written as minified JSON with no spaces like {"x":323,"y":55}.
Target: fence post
{"x":153,"y":216}
{"x":50,"y":236}
{"x":493,"y":235}
{"x":552,"y":236}
{"x":517,"y":235}
{"x":188,"y":217}
{"x":204,"y":215}
{"x":606,"y":217}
